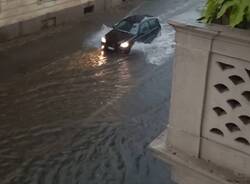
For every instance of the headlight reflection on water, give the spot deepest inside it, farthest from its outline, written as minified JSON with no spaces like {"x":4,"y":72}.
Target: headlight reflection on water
{"x":92,"y":58}
{"x":102,"y":59}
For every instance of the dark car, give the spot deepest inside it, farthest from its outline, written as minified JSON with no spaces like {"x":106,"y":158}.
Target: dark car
{"x":141,"y":28}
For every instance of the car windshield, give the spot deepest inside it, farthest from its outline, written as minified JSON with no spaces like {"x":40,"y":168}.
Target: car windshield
{"x":127,"y":26}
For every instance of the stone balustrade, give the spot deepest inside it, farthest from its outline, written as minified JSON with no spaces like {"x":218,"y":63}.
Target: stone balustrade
{"x":207,"y":140}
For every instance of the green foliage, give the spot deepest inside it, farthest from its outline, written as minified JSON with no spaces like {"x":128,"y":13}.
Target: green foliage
{"x":232,"y":12}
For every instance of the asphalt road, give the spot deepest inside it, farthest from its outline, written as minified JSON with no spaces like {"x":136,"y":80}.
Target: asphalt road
{"x":70,"y":115}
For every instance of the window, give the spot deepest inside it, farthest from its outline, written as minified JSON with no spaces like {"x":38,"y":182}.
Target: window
{"x":144,"y":27}
{"x":134,"y":29}
{"x":153,"y":23}
{"x":127,"y":26}
{"x":88,"y":9}
{"x":49,"y":22}
{"x":44,"y":1}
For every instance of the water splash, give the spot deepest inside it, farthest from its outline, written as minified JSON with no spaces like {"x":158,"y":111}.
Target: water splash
{"x":156,"y":52}
{"x":161,"y":48}
{"x":94,"y":41}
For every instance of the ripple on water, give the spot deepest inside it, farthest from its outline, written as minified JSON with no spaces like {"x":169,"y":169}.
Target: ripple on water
{"x":48,"y":132}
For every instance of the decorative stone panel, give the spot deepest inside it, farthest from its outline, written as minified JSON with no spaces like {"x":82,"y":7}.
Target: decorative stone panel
{"x":227,"y":104}
{"x":207,"y":140}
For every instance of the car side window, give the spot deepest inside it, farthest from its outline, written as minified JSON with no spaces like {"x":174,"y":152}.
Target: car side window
{"x":153,"y":23}
{"x":134,"y":28}
{"x":144,"y":28}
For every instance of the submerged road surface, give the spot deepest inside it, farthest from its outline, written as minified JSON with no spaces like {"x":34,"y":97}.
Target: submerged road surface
{"x":85,"y":117}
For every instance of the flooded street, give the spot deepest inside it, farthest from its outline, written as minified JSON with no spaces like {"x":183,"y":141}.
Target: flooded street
{"x":88,"y":117}
{"x":83,"y":126}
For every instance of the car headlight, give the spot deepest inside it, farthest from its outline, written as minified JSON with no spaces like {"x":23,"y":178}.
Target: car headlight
{"x":124,"y":45}
{"x":103,"y":40}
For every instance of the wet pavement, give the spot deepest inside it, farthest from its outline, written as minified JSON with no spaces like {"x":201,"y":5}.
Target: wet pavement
{"x":76,"y":116}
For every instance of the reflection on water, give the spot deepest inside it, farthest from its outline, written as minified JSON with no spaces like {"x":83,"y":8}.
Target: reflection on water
{"x":86,"y":60}
{"x":93,"y":59}
{"x":48,"y":118}
{"x":67,"y":123}
{"x":85,"y":119}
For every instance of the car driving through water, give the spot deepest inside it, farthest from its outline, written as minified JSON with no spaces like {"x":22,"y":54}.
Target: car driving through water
{"x":136,"y":28}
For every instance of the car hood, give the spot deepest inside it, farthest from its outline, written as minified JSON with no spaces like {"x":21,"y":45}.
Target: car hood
{"x":116,"y":36}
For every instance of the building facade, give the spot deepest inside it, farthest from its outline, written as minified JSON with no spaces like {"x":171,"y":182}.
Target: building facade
{"x":22,"y":17}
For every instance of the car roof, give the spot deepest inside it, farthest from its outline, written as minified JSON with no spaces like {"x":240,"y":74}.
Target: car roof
{"x":137,"y":18}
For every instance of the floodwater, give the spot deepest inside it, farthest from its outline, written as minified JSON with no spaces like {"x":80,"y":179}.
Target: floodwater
{"x":88,"y":118}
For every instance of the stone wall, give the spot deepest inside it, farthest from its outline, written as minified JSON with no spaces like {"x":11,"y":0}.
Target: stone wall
{"x":22,"y":17}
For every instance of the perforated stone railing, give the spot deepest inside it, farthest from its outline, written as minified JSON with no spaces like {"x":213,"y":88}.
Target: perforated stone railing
{"x":207,"y":140}
{"x":227,"y":106}
{"x":226,"y":121}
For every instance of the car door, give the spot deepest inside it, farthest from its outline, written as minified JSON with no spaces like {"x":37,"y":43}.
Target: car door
{"x":144,"y":31}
